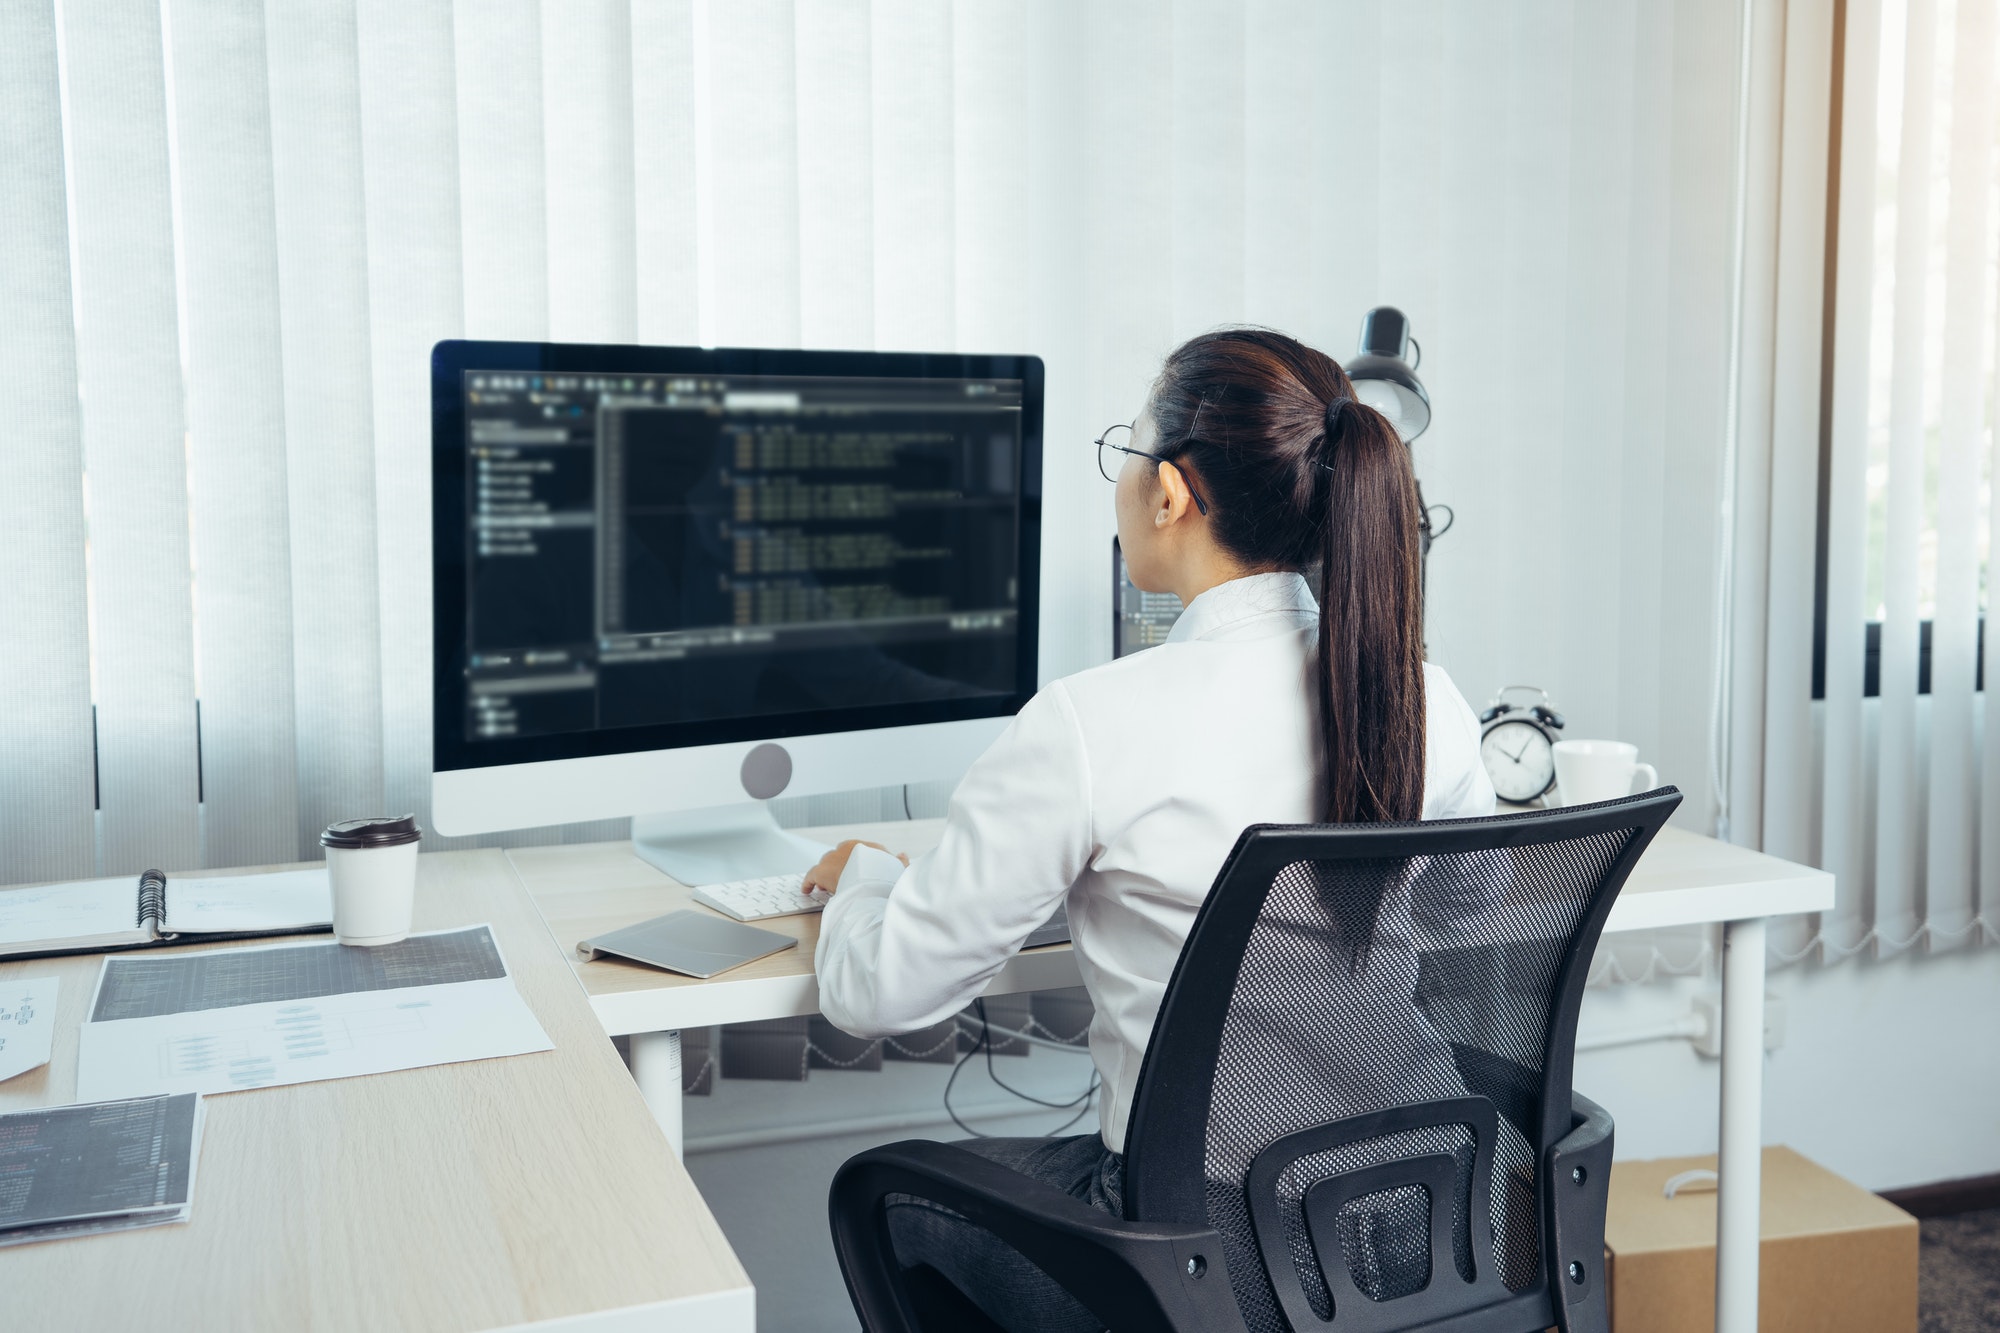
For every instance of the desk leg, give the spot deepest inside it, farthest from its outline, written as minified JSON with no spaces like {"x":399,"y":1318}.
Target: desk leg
{"x":1739,"y":1172}
{"x":656,"y":1068}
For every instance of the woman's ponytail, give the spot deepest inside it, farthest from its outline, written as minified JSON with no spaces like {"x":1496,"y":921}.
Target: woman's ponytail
{"x":1370,"y":669}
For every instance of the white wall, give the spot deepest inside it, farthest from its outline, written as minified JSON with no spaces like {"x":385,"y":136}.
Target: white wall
{"x":1889,"y":1072}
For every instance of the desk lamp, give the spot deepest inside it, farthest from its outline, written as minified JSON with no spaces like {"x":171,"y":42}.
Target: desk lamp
{"x":1386,"y":379}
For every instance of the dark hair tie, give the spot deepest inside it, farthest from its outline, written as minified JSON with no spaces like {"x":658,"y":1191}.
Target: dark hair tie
{"x":1331,"y":425}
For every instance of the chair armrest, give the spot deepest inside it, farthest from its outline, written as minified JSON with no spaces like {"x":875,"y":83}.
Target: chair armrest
{"x":1138,"y":1276}
{"x":1578,"y":1190}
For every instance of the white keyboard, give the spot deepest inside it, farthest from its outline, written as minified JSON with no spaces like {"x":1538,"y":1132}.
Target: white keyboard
{"x":759,"y":899}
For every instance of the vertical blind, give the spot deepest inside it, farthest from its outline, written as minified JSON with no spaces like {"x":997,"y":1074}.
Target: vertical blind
{"x":1884,"y":347}
{"x":233,"y":231}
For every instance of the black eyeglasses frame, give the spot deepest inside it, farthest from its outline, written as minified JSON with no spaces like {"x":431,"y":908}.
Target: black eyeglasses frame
{"x":1104,"y":442}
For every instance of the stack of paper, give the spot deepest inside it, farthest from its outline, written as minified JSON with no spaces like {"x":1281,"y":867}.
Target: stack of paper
{"x":104,"y":1166}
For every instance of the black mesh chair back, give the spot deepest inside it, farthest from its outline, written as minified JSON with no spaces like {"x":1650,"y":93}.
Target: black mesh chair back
{"x":1360,"y":1075}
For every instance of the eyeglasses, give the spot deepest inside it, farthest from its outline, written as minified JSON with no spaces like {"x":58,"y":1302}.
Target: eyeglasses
{"x":1118,"y":440}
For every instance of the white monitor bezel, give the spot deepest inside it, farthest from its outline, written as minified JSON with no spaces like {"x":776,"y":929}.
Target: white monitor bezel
{"x":615,"y":773}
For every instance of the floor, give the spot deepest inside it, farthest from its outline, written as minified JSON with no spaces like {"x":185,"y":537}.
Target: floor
{"x":1959,"y":1282}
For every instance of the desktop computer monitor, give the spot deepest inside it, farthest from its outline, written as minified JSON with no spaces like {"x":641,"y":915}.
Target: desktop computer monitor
{"x":675,"y":582}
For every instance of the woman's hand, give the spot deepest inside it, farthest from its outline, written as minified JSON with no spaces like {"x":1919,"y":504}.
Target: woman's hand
{"x":826,"y":875}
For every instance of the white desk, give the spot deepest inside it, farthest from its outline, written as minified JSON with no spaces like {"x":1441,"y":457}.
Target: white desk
{"x":1684,"y":879}
{"x":529,"y":1192}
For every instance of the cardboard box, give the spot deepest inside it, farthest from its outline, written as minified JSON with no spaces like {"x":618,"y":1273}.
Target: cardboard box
{"x":1835,"y":1257}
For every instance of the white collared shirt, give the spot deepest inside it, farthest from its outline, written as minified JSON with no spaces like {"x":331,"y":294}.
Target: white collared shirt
{"x":1122,"y":788}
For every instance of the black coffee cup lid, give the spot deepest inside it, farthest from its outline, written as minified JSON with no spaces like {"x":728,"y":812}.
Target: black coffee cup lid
{"x":375,"y":831}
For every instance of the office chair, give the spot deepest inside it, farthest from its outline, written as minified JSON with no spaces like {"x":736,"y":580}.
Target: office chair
{"x":1335,"y":1128}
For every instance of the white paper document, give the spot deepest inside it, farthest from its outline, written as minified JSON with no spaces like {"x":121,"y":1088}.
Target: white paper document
{"x":91,"y":909}
{"x":220,"y":904}
{"x":27,"y":1023}
{"x":229,"y":1019}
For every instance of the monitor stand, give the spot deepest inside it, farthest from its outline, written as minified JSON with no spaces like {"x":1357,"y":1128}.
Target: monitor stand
{"x":726,"y":842}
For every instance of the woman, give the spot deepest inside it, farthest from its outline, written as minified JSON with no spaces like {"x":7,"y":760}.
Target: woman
{"x":1121,"y":789}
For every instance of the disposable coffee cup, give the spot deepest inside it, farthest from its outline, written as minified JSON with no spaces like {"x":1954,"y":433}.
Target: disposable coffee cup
{"x":373,"y":866}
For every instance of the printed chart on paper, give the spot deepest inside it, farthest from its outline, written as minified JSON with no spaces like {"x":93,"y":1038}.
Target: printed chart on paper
{"x":231,"y":1019}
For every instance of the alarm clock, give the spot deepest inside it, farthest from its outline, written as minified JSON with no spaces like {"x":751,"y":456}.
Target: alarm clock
{"x":1517,"y":741}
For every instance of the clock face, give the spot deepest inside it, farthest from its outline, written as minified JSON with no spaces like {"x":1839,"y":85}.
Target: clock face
{"x":1520,"y":759}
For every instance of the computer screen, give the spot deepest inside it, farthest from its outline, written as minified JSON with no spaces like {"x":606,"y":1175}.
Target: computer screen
{"x":659,"y":547}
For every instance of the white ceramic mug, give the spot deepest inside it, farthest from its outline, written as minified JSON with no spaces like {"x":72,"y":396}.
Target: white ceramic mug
{"x":372,"y":864}
{"x":1588,"y":771}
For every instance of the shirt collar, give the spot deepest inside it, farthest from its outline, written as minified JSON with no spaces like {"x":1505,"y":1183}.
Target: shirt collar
{"x":1285,"y":598}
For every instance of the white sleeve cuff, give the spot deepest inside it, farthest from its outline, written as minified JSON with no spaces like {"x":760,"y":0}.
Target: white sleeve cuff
{"x":869,"y":872}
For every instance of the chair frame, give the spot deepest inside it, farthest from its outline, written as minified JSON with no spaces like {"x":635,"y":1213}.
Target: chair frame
{"x":1160,"y":1269}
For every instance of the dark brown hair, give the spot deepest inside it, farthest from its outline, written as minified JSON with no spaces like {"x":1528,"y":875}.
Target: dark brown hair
{"x":1300,"y":476}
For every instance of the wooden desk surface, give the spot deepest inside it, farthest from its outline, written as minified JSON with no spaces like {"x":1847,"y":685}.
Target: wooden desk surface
{"x":471,"y":1196}
{"x":587,"y":889}
{"x":1684,"y":879}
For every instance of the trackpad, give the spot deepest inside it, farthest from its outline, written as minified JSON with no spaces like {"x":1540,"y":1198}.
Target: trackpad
{"x":695,"y":944}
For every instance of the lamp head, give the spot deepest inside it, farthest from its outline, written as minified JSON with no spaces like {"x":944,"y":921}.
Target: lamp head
{"x":1385,"y":378}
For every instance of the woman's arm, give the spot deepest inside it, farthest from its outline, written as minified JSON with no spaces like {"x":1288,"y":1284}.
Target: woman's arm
{"x":901,"y":949}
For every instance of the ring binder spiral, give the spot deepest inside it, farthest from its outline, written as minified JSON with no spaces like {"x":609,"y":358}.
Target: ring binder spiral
{"x":91,"y":916}
{"x":152,"y":897}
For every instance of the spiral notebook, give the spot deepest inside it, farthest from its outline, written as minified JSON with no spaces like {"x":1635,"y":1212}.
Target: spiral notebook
{"x":96,"y":915}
